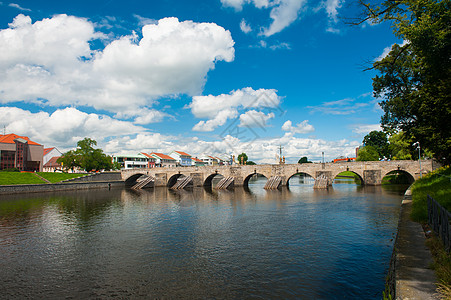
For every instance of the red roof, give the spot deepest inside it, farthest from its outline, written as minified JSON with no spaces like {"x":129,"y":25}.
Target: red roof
{"x":196,"y":159}
{"x":52,"y":162}
{"x":47,"y":150}
{"x":183,"y":153}
{"x":161,"y":156}
{"x":9,"y":139}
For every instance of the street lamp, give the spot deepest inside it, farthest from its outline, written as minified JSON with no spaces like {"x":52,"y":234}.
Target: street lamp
{"x":417,"y":144}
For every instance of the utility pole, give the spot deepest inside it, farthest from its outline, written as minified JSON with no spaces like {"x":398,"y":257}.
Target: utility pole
{"x":419,"y":155}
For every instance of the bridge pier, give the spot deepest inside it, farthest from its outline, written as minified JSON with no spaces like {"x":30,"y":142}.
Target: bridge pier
{"x":161,"y":179}
{"x":372,"y":177}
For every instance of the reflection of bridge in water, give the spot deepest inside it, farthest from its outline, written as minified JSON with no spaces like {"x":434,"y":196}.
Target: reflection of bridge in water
{"x":370,"y":173}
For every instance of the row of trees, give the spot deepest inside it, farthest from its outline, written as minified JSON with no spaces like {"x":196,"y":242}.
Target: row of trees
{"x":378,"y":145}
{"x":414,"y":79}
{"x":87,"y":158}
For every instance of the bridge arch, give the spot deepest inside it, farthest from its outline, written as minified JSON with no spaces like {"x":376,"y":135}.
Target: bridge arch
{"x":173,"y":179}
{"x":362,"y":182}
{"x":130,"y":181}
{"x":297,"y":173}
{"x":409,"y":177}
{"x":208,"y":182}
{"x":249,"y":176}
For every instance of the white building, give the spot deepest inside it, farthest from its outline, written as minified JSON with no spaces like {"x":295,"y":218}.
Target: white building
{"x":132,"y":161}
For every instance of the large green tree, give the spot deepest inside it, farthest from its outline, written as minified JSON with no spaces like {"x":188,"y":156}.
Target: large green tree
{"x":367,"y":153}
{"x":242,"y":158}
{"x":86,"y":157}
{"x":377,"y":139}
{"x":414,"y":81}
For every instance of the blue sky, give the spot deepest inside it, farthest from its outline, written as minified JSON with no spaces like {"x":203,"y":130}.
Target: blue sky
{"x":216,"y":77}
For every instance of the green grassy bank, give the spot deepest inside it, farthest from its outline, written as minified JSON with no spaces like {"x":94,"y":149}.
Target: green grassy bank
{"x":13,"y":178}
{"x":438,"y":185}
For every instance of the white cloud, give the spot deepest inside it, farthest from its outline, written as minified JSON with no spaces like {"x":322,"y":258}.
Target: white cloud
{"x":218,"y":109}
{"x":238,"y":4}
{"x":64,"y":127}
{"x":340,"y":107}
{"x":253,"y":118}
{"x":142,"y":116}
{"x":364,"y":129}
{"x":18,"y":7}
{"x":332,"y":7}
{"x":219,"y":119}
{"x":246,"y":28}
{"x":51,"y":61}
{"x":285,"y":13}
{"x":303,"y":127}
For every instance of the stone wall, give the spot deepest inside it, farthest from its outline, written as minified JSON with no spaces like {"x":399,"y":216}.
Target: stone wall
{"x":35,"y":188}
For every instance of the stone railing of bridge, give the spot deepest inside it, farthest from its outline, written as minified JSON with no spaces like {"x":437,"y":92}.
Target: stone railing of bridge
{"x":370,"y":173}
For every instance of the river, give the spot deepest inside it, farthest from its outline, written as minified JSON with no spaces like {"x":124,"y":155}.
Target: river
{"x":293,"y":243}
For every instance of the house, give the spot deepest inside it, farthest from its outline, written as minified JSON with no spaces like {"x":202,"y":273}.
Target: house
{"x":210,"y":160}
{"x":21,"y":153}
{"x":150,"y":160}
{"x":131,"y":161}
{"x":49,"y":153}
{"x":197,"y":162}
{"x":52,"y":165}
{"x":183,"y":159}
{"x":163,"y":160}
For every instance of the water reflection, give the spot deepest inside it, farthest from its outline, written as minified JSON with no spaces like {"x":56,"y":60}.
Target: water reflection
{"x":293,"y":242}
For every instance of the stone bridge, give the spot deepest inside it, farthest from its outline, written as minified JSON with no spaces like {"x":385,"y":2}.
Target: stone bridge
{"x":370,"y":172}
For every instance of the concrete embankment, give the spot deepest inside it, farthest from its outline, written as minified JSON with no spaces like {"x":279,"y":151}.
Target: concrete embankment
{"x":95,"y":181}
{"x":410,"y":275}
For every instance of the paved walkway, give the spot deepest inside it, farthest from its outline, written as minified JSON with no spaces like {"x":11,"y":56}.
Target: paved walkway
{"x":414,"y":278}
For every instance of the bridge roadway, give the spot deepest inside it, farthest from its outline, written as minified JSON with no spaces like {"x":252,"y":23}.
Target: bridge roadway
{"x":370,"y":172}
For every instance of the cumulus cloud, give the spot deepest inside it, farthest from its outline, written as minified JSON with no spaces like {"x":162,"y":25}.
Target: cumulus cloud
{"x":64,"y":127}
{"x":253,"y":118}
{"x":50,"y":61}
{"x":303,"y":127}
{"x":218,"y":109}
{"x":283,"y":15}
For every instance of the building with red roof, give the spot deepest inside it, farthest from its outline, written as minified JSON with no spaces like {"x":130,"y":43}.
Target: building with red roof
{"x":163,"y":160}
{"x":20,"y":152}
{"x":183,"y":159}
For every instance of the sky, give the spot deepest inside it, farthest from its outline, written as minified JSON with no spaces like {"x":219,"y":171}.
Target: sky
{"x":217,"y":77}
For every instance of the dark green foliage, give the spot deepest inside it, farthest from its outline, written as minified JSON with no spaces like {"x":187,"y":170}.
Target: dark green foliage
{"x":378,"y":140}
{"x":415,"y":78}
{"x":303,"y":160}
{"x":242,"y":158}
{"x":86,"y":157}
{"x":250,"y":163}
{"x":367,"y":153}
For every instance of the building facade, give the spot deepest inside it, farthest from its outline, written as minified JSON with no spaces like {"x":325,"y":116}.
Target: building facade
{"x":131,"y":161}
{"x":21,"y":153}
{"x":163,"y":160}
{"x":183,"y":159}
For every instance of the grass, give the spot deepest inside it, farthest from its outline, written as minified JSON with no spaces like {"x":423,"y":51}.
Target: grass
{"x":437,"y":184}
{"x":349,"y":174}
{"x":58,"y":177}
{"x":13,"y":178}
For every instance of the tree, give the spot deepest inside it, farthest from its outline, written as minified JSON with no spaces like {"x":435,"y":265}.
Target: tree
{"x":400,"y":148}
{"x":242,"y":158}
{"x":415,"y":78}
{"x":367,"y":153}
{"x":378,"y":140}
{"x":86,"y":157}
{"x":303,"y":160}
{"x":250,"y":163}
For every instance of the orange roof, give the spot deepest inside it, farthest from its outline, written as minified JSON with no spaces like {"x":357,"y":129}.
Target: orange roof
{"x":182,"y":153}
{"x":52,"y":162}
{"x":47,"y":150}
{"x":9,"y":139}
{"x":196,"y":159}
{"x":161,"y":155}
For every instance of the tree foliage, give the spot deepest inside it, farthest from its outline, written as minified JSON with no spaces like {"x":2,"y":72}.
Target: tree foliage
{"x":367,"y":153}
{"x":400,"y":147}
{"x":414,"y":80}
{"x":303,"y":160}
{"x":242,"y":158}
{"x":86,"y":157}
{"x":377,"y":139}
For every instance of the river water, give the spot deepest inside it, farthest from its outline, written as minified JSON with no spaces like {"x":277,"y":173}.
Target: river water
{"x":293,"y":243}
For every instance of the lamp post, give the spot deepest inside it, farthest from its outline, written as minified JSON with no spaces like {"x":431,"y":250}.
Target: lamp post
{"x":419,"y":155}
